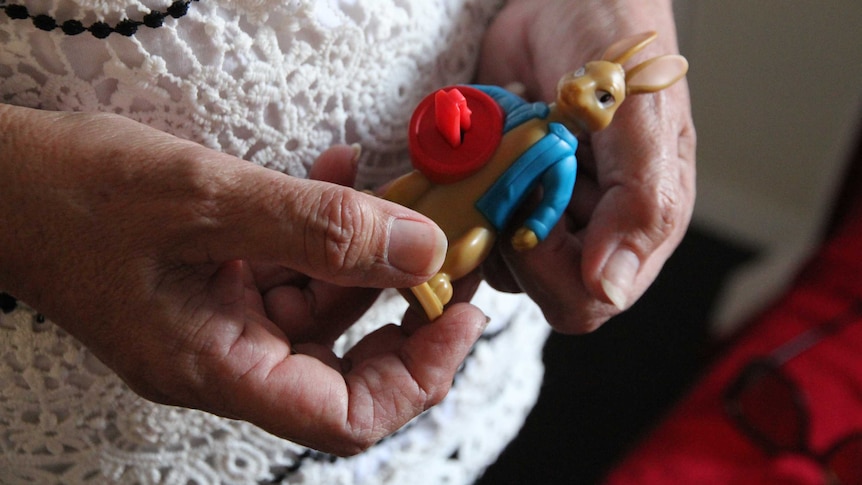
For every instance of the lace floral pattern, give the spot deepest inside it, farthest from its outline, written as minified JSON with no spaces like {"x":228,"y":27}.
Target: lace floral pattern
{"x":274,"y":82}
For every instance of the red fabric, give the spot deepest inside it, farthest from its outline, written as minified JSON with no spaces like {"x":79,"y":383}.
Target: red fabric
{"x":698,"y":443}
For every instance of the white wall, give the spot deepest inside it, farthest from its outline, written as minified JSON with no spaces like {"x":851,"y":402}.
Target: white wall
{"x":777,"y":95}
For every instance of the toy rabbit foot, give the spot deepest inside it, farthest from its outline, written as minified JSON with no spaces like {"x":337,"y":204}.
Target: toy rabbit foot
{"x":434,"y":294}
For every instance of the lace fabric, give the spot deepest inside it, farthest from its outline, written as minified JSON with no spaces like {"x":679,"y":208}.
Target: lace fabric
{"x":274,"y":82}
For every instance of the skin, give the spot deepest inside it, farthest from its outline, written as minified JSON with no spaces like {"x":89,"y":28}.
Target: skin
{"x":195,"y":277}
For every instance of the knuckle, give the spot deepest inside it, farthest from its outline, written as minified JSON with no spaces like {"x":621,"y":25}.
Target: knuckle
{"x":346,"y":225}
{"x":586,"y":319}
{"x":188,"y":184}
{"x":193,"y":176}
{"x":435,"y":395}
{"x":353,"y":445}
{"x":354,"y":439}
{"x":665,"y":208}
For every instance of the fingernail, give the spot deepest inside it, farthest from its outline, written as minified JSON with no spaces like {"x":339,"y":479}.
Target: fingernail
{"x":619,"y":276}
{"x":357,"y":152}
{"x":416,"y":247}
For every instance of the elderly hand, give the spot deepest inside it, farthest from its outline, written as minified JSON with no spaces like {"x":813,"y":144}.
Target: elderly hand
{"x":636,"y":184}
{"x":208,"y":282}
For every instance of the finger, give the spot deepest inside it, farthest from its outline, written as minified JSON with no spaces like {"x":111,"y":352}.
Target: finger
{"x":385,"y":340}
{"x":308,"y":401}
{"x":585,"y":198}
{"x":337,"y":165}
{"x":566,"y":302}
{"x":504,"y":58}
{"x":646,"y":174}
{"x":497,"y":273}
{"x":317,"y":311}
{"x":389,"y":337}
{"x":269,"y":275}
{"x":318,"y":228}
{"x":389,"y":389}
{"x":311,"y":310}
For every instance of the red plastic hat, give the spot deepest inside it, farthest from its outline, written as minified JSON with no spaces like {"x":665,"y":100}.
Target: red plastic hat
{"x":453,"y":133}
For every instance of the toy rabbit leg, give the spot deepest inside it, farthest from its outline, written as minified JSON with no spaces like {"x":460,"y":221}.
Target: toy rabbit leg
{"x":461,"y":259}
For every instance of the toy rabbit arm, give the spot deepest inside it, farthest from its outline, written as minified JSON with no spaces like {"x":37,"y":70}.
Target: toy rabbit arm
{"x":557,"y":185}
{"x":553,"y":157}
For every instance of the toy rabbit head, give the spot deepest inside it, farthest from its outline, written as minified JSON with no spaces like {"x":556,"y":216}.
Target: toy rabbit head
{"x":590,"y":96}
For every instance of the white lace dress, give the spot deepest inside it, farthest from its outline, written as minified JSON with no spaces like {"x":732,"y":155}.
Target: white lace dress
{"x":274,"y":82}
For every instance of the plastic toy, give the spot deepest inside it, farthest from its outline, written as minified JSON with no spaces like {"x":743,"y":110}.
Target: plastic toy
{"x":479,"y":151}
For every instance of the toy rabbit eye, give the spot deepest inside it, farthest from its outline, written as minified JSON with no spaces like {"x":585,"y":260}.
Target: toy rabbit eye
{"x":606,"y":99}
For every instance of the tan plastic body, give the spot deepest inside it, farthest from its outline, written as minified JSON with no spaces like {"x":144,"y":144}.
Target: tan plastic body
{"x":452,"y":207}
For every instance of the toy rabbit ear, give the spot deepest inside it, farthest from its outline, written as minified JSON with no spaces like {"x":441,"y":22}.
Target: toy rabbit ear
{"x":655,"y":74}
{"x":623,"y":49}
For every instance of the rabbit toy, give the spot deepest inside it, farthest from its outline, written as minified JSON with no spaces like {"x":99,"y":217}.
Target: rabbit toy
{"x":480,"y":150}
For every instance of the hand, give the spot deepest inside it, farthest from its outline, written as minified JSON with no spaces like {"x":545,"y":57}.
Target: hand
{"x":183,"y":270}
{"x":635,"y":191}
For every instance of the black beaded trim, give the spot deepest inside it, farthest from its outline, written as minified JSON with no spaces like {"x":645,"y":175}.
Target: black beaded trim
{"x":99,"y":30}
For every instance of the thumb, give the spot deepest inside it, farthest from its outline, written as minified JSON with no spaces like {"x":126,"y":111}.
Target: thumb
{"x":324,"y":230}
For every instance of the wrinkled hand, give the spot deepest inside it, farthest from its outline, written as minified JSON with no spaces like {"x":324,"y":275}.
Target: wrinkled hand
{"x":208,"y":282}
{"x":635,"y":191}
